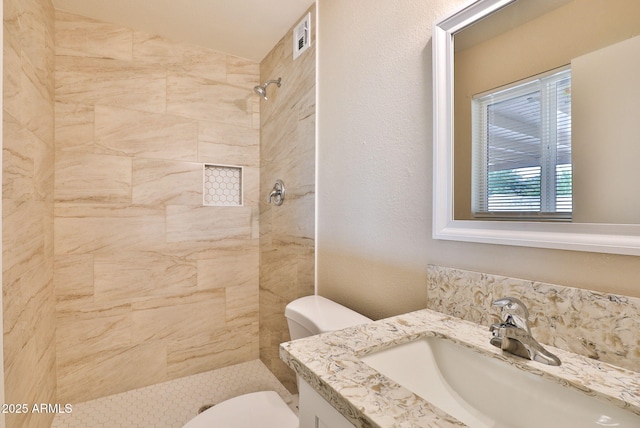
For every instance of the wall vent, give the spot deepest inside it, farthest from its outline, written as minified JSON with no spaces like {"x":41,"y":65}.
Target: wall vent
{"x":302,"y":36}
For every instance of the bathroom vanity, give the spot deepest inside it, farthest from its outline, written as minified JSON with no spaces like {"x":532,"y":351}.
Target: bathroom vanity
{"x":340,"y":388}
{"x":316,"y":412}
{"x":381,"y":374}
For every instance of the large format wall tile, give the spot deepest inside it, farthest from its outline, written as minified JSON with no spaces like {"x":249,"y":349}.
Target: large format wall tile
{"x":231,"y":135}
{"x":81,"y":229}
{"x":159,"y":182}
{"x":27,"y":210}
{"x":23,"y":248}
{"x":130,"y":276}
{"x":150,"y":284}
{"x":199,"y":314}
{"x":207,"y":99}
{"x":74,"y":127}
{"x":30,"y":26}
{"x":287,"y":152}
{"x":183,"y":58}
{"x":26,"y":101}
{"x":230,"y":269}
{"x":116,"y":370}
{"x":85,"y":177}
{"x":145,"y":135}
{"x":251,"y":188}
{"x":86,"y":328}
{"x":86,"y":37}
{"x":242,"y":72}
{"x":224,"y":348}
{"x":115,"y":83}
{"x":221,"y":143}
{"x":186,"y":223}
{"x":73,"y":276}
{"x":18,"y":160}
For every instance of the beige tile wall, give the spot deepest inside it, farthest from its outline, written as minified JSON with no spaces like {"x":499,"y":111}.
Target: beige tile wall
{"x":150,"y":285}
{"x":27,"y":198}
{"x":286,"y":231}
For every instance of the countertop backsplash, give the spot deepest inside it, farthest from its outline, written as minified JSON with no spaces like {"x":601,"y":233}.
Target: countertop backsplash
{"x":601,"y":326}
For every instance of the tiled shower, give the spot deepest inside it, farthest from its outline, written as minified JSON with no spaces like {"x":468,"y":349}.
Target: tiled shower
{"x":106,"y":134}
{"x":150,"y":283}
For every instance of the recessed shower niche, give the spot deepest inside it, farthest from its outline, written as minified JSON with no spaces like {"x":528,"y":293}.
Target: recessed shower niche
{"x":222,"y":185}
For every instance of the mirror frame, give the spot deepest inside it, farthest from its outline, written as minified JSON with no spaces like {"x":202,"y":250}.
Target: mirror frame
{"x":592,"y":237}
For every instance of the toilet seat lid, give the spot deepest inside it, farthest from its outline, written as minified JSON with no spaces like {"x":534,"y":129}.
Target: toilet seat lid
{"x":264,"y":409}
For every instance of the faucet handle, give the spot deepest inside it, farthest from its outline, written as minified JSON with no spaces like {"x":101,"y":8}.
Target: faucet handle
{"x":277,"y":193}
{"x":514,"y":312}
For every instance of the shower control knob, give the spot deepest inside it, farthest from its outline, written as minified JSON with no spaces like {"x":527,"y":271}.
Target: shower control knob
{"x":277,"y":193}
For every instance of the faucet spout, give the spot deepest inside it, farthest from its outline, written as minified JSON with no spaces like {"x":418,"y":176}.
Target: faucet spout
{"x":518,"y":342}
{"x":513,"y":335}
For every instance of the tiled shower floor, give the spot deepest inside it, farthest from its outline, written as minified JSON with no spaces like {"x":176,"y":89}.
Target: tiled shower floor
{"x":171,"y":404}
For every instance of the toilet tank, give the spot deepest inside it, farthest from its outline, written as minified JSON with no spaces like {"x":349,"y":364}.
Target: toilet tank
{"x":312,"y":315}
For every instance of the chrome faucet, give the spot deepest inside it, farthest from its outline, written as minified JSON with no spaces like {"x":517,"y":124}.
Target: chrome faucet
{"x":514,"y":334}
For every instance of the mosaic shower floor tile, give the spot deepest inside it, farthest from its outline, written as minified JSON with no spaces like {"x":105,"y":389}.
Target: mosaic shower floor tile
{"x":172,"y":404}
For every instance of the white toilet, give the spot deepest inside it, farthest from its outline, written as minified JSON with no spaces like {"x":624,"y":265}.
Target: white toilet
{"x":306,"y":316}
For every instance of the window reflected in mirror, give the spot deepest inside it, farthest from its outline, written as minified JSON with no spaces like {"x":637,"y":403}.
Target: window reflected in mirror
{"x":532,"y":144}
{"x":521,"y":138}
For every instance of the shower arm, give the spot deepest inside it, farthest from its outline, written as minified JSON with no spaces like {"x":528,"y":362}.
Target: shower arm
{"x":276,"y":81}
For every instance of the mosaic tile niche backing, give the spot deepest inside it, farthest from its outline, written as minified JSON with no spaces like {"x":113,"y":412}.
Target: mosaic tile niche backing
{"x":222,"y":185}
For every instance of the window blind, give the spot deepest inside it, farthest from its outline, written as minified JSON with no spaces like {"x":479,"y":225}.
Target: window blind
{"x":522,"y":149}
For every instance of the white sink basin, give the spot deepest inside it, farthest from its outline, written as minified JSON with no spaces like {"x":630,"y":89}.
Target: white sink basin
{"x":486,"y":392}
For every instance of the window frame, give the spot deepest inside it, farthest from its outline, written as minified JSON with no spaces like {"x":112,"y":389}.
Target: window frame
{"x":589,"y":237}
{"x":480,"y":104}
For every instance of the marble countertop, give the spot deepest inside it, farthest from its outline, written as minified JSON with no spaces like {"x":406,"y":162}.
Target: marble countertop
{"x":331,"y":364}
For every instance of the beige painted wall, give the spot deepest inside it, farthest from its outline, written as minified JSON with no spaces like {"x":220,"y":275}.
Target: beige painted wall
{"x":287,"y":152}
{"x":550,"y":41}
{"x":605,"y":89}
{"x":150,"y":285}
{"x":374,"y":170}
{"x":27,"y":203}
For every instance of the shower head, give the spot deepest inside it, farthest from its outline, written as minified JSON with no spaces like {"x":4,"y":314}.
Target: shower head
{"x":262,"y":89}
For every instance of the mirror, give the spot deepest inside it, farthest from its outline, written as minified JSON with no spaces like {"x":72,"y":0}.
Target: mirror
{"x":493,"y":43}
